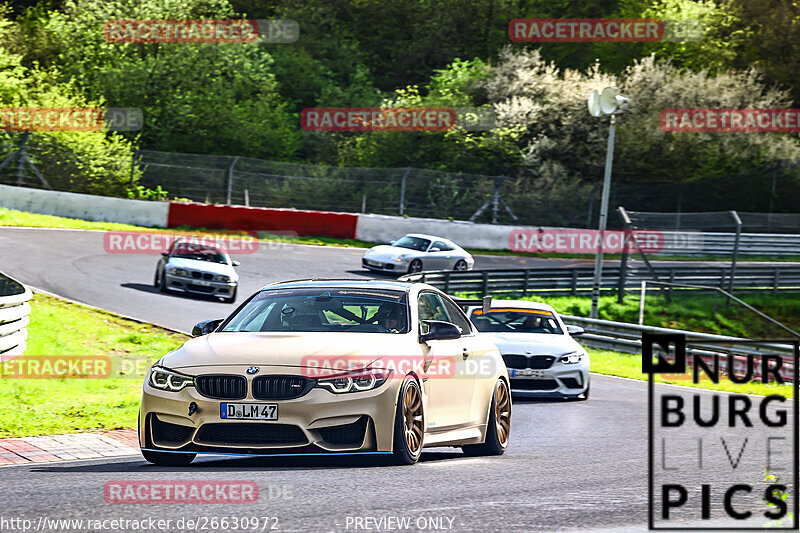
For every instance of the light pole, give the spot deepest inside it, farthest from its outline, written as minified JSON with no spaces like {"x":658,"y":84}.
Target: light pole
{"x":606,"y":103}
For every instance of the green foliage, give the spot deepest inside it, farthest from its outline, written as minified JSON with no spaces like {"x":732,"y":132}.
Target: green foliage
{"x":206,"y":98}
{"x":140,"y":192}
{"x":82,"y":161}
{"x":245,"y":99}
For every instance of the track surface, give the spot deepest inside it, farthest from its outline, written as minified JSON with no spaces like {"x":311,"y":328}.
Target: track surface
{"x":570,"y":465}
{"x":74,"y":264}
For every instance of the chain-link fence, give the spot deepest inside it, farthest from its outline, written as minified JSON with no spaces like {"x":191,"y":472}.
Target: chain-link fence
{"x":766,"y":198}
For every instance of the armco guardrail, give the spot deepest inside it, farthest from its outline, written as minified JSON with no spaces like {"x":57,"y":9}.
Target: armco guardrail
{"x":14,"y":316}
{"x":627,"y":338}
{"x":758,"y":244}
{"x":575,"y":280}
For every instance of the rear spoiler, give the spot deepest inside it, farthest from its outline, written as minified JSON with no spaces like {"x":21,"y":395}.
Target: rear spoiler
{"x":485,"y":303}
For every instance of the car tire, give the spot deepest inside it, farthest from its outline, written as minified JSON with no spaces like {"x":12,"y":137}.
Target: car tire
{"x":415,"y":266}
{"x":409,"y":417}
{"x":155,"y":279}
{"x":460,"y":266}
{"x":231,"y":298}
{"x":496,"y":433}
{"x":162,"y":283}
{"x":168,"y":459}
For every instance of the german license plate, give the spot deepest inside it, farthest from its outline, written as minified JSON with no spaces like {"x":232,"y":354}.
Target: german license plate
{"x":527,"y":373}
{"x":203,"y":283}
{"x":374,"y":263}
{"x":248,"y":411}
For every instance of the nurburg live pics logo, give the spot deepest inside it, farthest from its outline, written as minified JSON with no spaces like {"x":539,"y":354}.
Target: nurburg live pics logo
{"x":723,"y":461}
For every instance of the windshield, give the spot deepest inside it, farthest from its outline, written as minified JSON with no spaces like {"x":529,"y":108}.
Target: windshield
{"x":516,"y":320}
{"x":413,"y":243}
{"x":323,"y":309}
{"x":200,"y":253}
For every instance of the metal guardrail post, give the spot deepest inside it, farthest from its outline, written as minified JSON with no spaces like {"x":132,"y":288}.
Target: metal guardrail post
{"x":777,"y":280}
{"x":642,"y":296}
{"x":403,"y":190}
{"x":485,"y":282}
{"x":738,"y":222}
{"x":525,"y":283}
{"x":447,"y":282}
{"x":574,"y":282}
{"x":623,"y":264}
{"x":230,"y":181}
{"x":671,"y":280}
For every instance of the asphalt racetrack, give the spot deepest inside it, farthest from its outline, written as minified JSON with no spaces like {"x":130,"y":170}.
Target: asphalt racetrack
{"x":569,"y":465}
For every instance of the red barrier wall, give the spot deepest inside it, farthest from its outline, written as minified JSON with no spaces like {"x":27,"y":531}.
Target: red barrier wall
{"x":304,"y":223}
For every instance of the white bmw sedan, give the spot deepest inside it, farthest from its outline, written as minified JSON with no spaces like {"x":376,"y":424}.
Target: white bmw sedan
{"x":542,"y":358}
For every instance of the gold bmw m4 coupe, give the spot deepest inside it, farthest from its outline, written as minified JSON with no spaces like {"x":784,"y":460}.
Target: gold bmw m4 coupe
{"x":330,"y":367}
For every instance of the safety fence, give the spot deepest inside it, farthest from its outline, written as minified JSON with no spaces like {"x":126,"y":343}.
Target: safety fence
{"x":578,"y":280}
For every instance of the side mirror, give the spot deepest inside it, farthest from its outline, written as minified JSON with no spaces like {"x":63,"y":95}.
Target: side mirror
{"x":205,"y":327}
{"x":393,"y":241}
{"x":575,"y":331}
{"x":235,"y":263}
{"x":165,"y":254}
{"x":439,"y":330}
{"x":434,"y":249}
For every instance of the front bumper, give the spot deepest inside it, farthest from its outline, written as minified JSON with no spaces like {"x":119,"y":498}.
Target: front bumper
{"x":384,"y":266}
{"x":319,"y":421}
{"x":559,"y":381}
{"x":198,"y":286}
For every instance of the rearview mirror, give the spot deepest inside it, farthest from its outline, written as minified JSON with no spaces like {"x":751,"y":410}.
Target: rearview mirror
{"x":575,"y":331}
{"x":439,"y":330}
{"x":486,"y":304}
{"x":235,"y":263}
{"x":205,"y":327}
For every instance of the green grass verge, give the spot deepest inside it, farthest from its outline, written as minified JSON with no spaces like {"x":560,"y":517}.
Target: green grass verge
{"x":50,"y":406}
{"x":630,"y":366}
{"x":691,"y":311}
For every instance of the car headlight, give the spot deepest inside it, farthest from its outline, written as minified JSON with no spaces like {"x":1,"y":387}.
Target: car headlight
{"x":400,"y":258}
{"x":163,"y":379}
{"x":355,"y":382}
{"x":222,"y":277}
{"x":178,"y":272}
{"x":571,"y":358}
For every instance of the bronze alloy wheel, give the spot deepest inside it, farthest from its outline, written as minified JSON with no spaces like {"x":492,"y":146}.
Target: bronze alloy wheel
{"x":498,"y":427}
{"x":502,"y":413}
{"x":412,"y":419}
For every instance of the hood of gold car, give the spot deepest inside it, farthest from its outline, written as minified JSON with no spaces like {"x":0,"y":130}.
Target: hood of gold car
{"x":301,"y":349}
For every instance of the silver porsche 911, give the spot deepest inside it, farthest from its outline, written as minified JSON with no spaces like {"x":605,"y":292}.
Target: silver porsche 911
{"x":416,"y":252}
